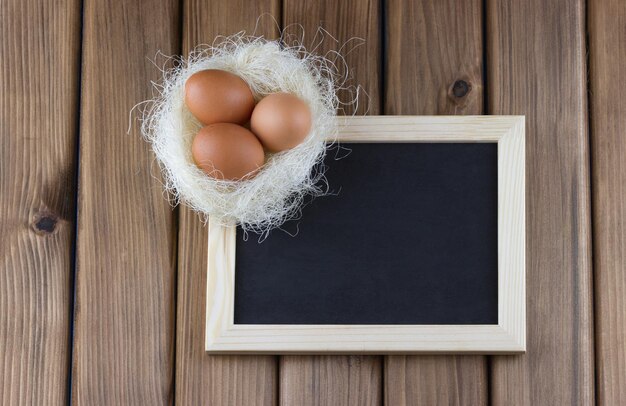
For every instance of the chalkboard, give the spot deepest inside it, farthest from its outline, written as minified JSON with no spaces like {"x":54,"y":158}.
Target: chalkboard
{"x":407,"y":235}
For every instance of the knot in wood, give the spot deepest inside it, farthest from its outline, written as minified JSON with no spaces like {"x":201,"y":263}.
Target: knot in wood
{"x":460,"y":88}
{"x":45,"y":223}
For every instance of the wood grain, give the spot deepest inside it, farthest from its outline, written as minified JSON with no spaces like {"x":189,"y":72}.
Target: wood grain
{"x":330,"y":380}
{"x":126,"y":245}
{"x":40,"y":51}
{"x":202,"y":378}
{"x":434,"y":65}
{"x":434,"y":62}
{"x":342,"y":29}
{"x":448,"y":380}
{"x":607,"y":46}
{"x":345,"y":22}
{"x":536,"y":66}
{"x":371,"y":129}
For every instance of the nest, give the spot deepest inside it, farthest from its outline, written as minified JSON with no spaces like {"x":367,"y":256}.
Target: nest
{"x":276,"y":193}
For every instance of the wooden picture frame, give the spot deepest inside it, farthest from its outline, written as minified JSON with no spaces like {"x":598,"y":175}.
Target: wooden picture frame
{"x":508,"y":336}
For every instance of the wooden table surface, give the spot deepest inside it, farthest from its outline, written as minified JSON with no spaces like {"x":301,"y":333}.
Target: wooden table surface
{"x":102,"y":282}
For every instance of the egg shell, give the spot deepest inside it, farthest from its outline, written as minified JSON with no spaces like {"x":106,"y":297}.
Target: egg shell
{"x":227,"y":151}
{"x":281,"y":121}
{"x":216,"y":96}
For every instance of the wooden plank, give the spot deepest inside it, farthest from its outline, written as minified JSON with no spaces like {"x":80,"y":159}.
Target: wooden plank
{"x":330,"y":380}
{"x":338,"y":380}
{"x":126,"y":245}
{"x":40,"y":51}
{"x":434,"y":62}
{"x":202,"y":378}
{"x":607,"y":46}
{"x":434,"y":65}
{"x":435,"y":380}
{"x":536,"y":67}
{"x":351,"y":28}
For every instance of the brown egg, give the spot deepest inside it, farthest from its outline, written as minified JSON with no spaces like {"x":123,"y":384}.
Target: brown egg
{"x":281,"y":121}
{"x":227,"y":151}
{"x":217,"y":96}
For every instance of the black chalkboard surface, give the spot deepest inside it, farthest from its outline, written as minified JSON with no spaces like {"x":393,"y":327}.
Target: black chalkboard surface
{"x":409,"y":236}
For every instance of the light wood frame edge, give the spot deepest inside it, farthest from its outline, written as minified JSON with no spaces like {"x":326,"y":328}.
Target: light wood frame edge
{"x":508,"y":336}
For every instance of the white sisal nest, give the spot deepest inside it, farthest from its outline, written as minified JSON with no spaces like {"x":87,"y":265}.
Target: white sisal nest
{"x":276,"y":193}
